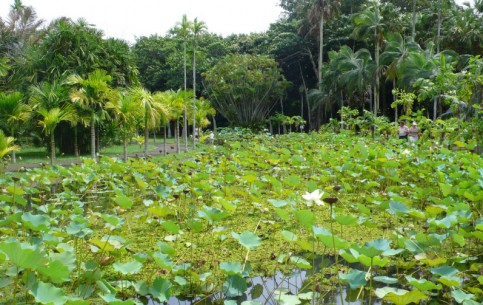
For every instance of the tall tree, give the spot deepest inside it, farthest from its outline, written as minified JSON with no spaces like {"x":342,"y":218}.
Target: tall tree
{"x":126,"y":109}
{"x":245,"y":88}
{"x":92,"y":93}
{"x":370,"y":23}
{"x":198,"y":27}
{"x":183,"y":30}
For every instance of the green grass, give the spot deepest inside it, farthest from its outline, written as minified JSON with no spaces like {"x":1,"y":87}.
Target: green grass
{"x":35,"y":155}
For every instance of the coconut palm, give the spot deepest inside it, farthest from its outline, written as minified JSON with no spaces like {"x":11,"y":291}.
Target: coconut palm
{"x":49,"y":119}
{"x":163,"y":100}
{"x":91,"y":93}
{"x":369,"y":23}
{"x":183,"y":30}
{"x":126,"y":109}
{"x":196,"y":29}
{"x":153,"y":110}
{"x":13,"y":112}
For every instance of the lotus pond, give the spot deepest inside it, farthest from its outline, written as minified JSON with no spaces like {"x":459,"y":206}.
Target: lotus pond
{"x":369,"y":221}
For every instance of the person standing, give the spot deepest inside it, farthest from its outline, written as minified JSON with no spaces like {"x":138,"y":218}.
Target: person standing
{"x":212,"y":137}
{"x":413,"y":134}
{"x":403,"y":131}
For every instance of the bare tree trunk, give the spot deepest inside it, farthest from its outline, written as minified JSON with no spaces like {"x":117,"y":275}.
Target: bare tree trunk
{"x":309,"y":111}
{"x":124,"y":149}
{"x":413,"y":34}
{"x":93,"y":138}
{"x":165,"y":136}
{"x":185,"y":128}
{"x":176,"y":134}
{"x":76,"y":143}
{"x":14,"y":156}
{"x":321,"y":46}
{"x":52,"y":148}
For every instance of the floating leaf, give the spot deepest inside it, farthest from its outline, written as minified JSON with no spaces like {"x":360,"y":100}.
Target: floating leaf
{"x":347,"y":220}
{"x":386,"y":279}
{"x":400,"y":296}
{"x":451,"y":281}
{"x":289,"y":236}
{"x":422,"y":284}
{"x":123,"y":201}
{"x":171,"y":227}
{"x":131,"y":267}
{"x":247,"y":239}
{"x":231,"y":268}
{"x":166,"y":248}
{"x":398,"y":208}
{"x":300,"y":262}
{"x":460,"y":296}
{"x":56,"y":271}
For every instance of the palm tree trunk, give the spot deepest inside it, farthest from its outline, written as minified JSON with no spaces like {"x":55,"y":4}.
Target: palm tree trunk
{"x":146,"y":134}
{"x":76,"y":144}
{"x":124,"y":149}
{"x":52,"y":148}
{"x":93,"y":137}
{"x":14,"y":156}
{"x":185,"y":128}
{"x":176,"y":135}
{"x":214,"y":124}
{"x":321,"y":44}
{"x":165,"y":136}
{"x":376,"y":89}
{"x":439,"y":27}
{"x":413,"y":34}
{"x":194,"y":93}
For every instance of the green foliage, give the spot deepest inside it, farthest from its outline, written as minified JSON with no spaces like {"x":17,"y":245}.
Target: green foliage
{"x":244,"y":88}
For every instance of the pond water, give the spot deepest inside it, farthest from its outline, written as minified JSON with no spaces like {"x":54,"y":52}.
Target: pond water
{"x":262,"y":289}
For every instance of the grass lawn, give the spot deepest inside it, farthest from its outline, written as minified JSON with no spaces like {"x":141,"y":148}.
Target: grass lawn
{"x":35,"y":155}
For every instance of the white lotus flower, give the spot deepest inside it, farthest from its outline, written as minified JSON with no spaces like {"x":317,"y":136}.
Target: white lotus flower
{"x":406,"y":152}
{"x":314,"y":197}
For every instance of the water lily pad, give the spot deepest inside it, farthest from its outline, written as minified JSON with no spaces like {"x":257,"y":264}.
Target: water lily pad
{"x":247,"y":239}
{"x":161,"y":289}
{"x":400,"y":296}
{"x":131,"y":267}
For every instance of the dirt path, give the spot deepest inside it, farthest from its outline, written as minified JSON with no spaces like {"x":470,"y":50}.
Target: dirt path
{"x":159,"y":150}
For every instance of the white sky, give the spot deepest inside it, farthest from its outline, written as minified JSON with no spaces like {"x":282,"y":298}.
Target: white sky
{"x":127,"y":19}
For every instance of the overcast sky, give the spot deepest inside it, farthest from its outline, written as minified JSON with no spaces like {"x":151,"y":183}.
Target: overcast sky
{"x":127,"y":19}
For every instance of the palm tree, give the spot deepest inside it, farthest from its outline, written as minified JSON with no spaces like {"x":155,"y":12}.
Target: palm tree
{"x":6,"y":145}
{"x":369,"y":23}
{"x":396,"y":52}
{"x":49,"y":121}
{"x":91,"y":93}
{"x":197,"y":29}
{"x":163,"y":100}
{"x":125,"y":109}
{"x":13,"y":112}
{"x":183,"y":29}
{"x":153,"y":110}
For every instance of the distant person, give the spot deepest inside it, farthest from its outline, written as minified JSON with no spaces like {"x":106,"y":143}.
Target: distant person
{"x":403,"y":130}
{"x":212,"y":137}
{"x":302,"y":127}
{"x":413,"y":133}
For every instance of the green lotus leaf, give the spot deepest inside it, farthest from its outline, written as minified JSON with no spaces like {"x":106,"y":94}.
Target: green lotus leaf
{"x":444,"y":271}
{"x":400,"y":296}
{"x":231,"y":268}
{"x":23,"y":257}
{"x":161,"y":289}
{"x":355,"y":278}
{"x":247,"y":239}
{"x":398,"y":208}
{"x":386,"y":279}
{"x":300,"y":262}
{"x":56,"y":271}
{"x":286,"y":299}
{"x":347,"y":220}
{"x":451,"y":281}
{"x":46,"y":293}
{"x":422,"y":284}
{"x":39,"y":223}
{"x":163,"y":260}
{"x":305,"y":218}
{"x":123,"y":201}
{"x":289,"y":236}
{"x":234,"y":286}
{"x":166,"y":248}
{"x":131,"y":267}
{"x":460,"y":296}
{"x":171,"y":227}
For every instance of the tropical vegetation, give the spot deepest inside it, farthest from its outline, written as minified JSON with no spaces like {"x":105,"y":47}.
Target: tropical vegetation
{"x":309,"y":184}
